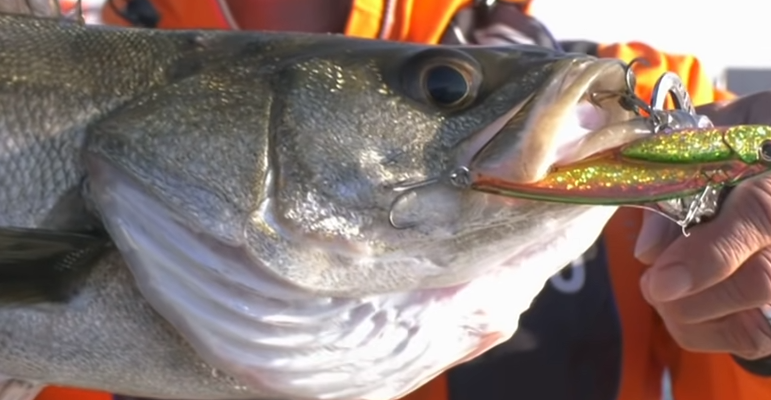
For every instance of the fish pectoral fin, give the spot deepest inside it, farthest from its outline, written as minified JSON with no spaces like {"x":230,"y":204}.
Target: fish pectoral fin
{"x":39,"y":265}
{"x":17,"y":389}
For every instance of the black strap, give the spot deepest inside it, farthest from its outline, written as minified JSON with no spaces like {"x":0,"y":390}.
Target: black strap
{"x":760,"y":367}
{"x":498,"y":22}
{"x":580,"y":46}
{"x":139,"y":13}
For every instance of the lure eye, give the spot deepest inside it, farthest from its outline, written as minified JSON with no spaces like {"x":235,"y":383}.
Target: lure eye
{"x":446,"y":85}
{"x":765,"y":151}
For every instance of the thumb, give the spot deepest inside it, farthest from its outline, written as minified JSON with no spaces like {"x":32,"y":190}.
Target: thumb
{"x":655,"y":236}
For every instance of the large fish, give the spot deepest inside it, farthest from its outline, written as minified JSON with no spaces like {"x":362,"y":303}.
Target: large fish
{"x":225,"y":215}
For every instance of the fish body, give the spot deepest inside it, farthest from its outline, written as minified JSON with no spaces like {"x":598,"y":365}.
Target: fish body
{"x":205,"y":214}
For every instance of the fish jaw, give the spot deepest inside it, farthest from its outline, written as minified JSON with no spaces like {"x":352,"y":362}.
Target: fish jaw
{"x":281,"y":341}
{"x":559,"y":124}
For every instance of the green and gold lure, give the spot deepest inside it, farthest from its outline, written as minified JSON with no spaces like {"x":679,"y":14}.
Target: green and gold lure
{"x":664,"y":166}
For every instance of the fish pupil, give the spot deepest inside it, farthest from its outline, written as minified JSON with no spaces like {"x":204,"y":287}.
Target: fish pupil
{"x":446,"y":85}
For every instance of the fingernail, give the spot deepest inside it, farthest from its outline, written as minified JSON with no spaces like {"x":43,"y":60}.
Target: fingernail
{"x":649,"y":237}
{"x":666,"y":284}
{"x":766,"y":310}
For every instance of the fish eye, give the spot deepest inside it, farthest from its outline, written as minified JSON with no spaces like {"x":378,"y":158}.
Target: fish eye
{"x":446,"y":85}
{"x":441,"y":78}
{"x":765,"y":151}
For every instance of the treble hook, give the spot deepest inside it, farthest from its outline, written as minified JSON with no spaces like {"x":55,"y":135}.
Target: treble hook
{"x":694,"y":213}
{"x":628,"y":99}
{"x":459,"y":177}
{"x":81,"y":19}
{"x":404,"y":189}
{"x":696,"y":207}
{"x":629,"y":76}
{"x":668,"y":83}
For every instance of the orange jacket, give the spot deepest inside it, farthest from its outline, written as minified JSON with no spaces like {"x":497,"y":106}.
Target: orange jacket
{"x":647,"y":347}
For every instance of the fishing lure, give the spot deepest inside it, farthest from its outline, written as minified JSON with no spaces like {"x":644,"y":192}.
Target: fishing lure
{"x":655,"y":168}
{"x":750,"y":144}
{"x":680,"y":171}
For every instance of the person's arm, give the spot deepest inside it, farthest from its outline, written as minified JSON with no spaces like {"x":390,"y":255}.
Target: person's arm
{"x":580,"y":46}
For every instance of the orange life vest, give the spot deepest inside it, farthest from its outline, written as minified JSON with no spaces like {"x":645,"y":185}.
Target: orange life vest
{"x":647,"y":347}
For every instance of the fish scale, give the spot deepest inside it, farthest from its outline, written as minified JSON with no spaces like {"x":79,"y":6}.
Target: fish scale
{"x":205,"y":214}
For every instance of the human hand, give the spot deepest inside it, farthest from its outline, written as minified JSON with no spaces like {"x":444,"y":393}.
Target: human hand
{"x":712,"y":288}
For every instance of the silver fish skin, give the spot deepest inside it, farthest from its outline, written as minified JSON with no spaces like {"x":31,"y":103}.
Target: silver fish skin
{"x":210,"y":215}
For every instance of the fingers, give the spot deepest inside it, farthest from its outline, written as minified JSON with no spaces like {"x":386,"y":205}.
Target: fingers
{"x":746,"y":334}
{"x":747,"y":289}
{"x":715,"y":112}
{"x":748,"y":109}
{"x":656,"y":234}
{"x":716,"y":249}
{"x":713,"y":288}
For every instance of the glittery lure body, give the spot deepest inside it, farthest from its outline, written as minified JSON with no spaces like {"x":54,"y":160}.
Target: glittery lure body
{"x":672,"y":164}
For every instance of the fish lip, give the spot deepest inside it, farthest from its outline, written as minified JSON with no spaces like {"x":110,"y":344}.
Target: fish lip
{"x":542,"y":140}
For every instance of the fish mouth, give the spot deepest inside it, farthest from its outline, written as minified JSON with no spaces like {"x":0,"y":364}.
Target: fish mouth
{"x":561,"y":123}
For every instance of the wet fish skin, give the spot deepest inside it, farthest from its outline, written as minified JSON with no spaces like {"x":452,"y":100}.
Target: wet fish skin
{"x":203,"y":128}
{"x":53,"y":96}
{"x":49,"y":97}
{"x":107,"y":337}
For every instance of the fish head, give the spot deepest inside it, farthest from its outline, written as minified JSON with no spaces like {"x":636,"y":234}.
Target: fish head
{"x":297,"y":215}
{"x":333,"y":166}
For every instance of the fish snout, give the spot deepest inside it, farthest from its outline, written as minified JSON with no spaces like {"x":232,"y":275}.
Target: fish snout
{"x":557,"y":122}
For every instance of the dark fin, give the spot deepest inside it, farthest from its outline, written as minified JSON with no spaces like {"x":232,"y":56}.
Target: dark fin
{"x":78,"y":13}
{"x":16,"y":389}
{"x":43,"y":9}
{"x":36,"y":8}
{"x":38,"y":265}
{"x":71,"y":213}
